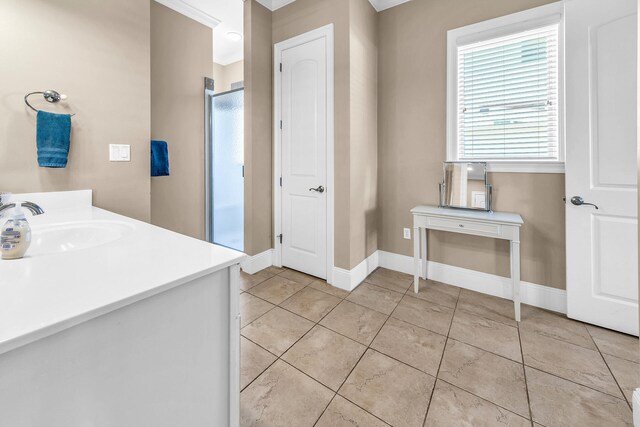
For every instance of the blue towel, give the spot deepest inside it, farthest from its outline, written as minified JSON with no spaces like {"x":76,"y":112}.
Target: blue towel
{"x":159,"y":158}
{"x":52,"y":139}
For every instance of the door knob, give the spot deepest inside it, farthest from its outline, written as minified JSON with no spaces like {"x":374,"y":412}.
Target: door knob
{"x":579,"y":201}
{"x":320,"y":189}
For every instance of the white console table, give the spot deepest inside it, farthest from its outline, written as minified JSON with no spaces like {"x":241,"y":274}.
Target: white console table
{"x":497,"y":225}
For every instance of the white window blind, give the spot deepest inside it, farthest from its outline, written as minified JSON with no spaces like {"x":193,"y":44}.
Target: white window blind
{"x":507,"y":90}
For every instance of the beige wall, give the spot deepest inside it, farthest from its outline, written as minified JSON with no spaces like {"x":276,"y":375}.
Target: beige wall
{"x":97,"y":53}
{"x":224,"y":75}
{"x":355,"y":115}
{"x":363,"y":141}
{"x":181,"y":56}
{"x":258,"y":179}
{"x":219,"y":77}
{"x":411,"y":132}
{"x":383,"y":170}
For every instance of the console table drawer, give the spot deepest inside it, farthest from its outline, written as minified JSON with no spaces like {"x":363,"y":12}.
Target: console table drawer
{"x":468,"y":227}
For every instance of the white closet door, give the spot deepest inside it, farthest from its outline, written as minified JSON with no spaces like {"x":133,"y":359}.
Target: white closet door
{"x":602,"y":244}
{"x":304,"y":157}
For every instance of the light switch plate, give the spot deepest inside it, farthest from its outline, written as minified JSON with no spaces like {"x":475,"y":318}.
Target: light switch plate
{"x":119,"y":152}
{"x":407,"y":233}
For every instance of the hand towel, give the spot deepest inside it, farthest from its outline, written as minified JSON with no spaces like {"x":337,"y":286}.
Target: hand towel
{"x":159,"y":158}
{"x":53,"y":132}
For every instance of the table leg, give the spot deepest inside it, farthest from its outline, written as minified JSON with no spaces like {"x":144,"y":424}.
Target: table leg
{"x":416,"y":258}
{"x":423,"y":243}
{"x":515,"y":277}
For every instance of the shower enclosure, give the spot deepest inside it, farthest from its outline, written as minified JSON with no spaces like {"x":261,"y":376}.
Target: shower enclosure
{"x":224,"y":154}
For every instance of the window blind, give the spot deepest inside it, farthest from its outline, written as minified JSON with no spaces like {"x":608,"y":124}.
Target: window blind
{"x":508,"y":97}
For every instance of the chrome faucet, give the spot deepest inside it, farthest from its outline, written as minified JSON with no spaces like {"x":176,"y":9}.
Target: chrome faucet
{"x":32,"y":207}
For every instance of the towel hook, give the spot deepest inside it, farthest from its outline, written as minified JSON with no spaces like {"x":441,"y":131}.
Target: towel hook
{"x":49,"y":96}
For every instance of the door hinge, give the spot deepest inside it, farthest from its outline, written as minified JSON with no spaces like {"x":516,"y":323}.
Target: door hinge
{"x":279,"y":236}
{"x":280,"y":124}
{"x":281,"y":67}
{"x":280,"y":181}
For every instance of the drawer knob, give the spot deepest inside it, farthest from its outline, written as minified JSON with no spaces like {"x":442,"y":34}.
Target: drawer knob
{"x":461,"y":225}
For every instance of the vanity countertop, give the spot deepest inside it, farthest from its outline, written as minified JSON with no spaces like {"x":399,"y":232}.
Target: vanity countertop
{"x":43,"y":294}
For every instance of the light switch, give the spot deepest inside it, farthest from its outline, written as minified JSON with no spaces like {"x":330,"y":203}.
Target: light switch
{"x":406,"y":233}
{"x":119,"y":152}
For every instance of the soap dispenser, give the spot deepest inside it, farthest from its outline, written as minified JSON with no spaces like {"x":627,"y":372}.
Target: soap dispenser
{"x":15,"y":236}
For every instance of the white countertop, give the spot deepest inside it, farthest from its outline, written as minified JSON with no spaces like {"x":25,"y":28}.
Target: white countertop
{"x":477,"y":215}
{"x":44,"y":294}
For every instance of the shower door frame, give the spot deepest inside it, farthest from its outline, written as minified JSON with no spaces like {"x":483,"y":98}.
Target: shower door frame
{"x":208,"y":207}
{"x":208,"y":143}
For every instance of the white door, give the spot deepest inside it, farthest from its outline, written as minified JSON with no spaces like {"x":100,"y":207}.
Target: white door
{"x":304,"y":157}
{"x":602,"y":244}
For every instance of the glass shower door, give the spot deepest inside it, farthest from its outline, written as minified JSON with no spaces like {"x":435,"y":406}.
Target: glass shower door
{"x":227,"y":169}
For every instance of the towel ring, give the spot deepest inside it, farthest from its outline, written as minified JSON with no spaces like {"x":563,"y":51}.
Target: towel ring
{"x":49,"y":96}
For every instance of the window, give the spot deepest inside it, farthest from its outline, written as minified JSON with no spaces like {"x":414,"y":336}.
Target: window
{"x":508,"y":97}
{"x":505,"y":93}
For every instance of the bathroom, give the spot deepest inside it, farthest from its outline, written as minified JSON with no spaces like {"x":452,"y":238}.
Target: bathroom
{"x":310,"y":216}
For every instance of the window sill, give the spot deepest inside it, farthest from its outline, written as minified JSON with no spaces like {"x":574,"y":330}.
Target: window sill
{"x":525,"y":167}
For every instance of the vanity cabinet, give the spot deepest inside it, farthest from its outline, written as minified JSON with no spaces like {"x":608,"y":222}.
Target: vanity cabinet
{"x":139,"y":329}
{"x":168,"y":360}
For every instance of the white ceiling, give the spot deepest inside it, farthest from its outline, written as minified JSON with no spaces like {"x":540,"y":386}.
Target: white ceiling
{"x":224,"y":16}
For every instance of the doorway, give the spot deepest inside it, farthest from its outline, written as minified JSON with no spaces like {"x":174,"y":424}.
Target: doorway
{"x":303,"y":153}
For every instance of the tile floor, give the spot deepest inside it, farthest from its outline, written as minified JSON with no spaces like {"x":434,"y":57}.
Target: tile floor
{"x":315,"y":355}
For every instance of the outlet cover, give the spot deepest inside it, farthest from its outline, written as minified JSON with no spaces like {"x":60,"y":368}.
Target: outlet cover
{"x":119,"y":153}
{"x":407,"y":233}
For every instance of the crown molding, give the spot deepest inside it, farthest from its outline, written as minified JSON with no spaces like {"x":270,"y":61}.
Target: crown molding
{"x":277,"y":4}
{"x":204,"y":18}
{"x":190,"y":12}
{"x":378,"y":5}
{"x":274,"y":4}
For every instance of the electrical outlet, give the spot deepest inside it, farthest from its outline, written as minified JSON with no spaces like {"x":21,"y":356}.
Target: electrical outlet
{"x":478,"y":199}
{"x":407,"y":233}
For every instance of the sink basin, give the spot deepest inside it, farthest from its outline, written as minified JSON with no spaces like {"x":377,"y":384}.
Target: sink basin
{"x":74,"y":236}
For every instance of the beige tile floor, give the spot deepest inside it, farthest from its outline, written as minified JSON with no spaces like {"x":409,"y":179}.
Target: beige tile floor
{"x":315,"y":355}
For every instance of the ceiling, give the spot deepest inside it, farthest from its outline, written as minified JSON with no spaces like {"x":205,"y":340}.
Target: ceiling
{"x":225,"y":16}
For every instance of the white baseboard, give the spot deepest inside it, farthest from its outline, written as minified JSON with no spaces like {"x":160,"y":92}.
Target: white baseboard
{"x":350,"y":279}
{"x":395,"y":262}
{"x":253,"y":264}
{"x":530,"y":293}
{"x":636,"y":407}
